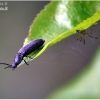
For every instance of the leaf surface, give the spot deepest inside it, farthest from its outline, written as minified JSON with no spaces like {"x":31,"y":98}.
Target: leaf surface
{"x":60,"y":19}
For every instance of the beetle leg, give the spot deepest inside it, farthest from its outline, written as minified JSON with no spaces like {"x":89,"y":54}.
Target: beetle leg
{"x":25,"y":62}
{"x":29,"y":57}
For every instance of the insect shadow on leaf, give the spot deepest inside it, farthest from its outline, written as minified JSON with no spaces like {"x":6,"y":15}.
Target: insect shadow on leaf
{"x":81,"y":34}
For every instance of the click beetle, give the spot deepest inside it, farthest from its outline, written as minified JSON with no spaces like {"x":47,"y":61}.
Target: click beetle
{"x":24,"y":52}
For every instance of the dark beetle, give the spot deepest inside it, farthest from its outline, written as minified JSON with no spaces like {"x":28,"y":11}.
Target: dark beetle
{"x":24,"y":52}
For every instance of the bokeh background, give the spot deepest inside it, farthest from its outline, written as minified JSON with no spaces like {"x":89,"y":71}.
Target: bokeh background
{"x":57,"y":65}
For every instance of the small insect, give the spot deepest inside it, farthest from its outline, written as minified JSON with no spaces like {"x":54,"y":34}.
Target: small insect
{"x":24,"y":52}
{"x":82,"y":33}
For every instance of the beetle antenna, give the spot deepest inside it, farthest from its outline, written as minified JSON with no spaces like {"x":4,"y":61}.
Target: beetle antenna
{"x":9,"y":66}
{"x":4,"y":63}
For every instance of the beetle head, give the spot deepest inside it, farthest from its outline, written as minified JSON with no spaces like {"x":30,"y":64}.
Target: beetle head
{"x":17,"y":60}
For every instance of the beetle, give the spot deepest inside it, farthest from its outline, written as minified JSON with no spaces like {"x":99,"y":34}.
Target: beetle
{"x":24,"y":52}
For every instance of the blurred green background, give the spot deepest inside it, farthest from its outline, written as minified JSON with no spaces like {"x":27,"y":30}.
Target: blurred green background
{"x":57,"y":65}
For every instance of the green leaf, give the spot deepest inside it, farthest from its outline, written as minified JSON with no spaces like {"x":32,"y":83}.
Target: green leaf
{"x":60,"y":19}
{"x":85,"y":85}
